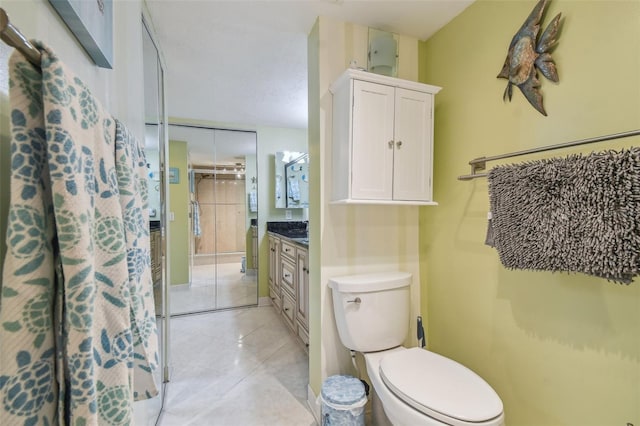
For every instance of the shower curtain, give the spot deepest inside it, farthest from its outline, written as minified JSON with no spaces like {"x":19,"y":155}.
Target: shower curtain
{"x":77,"y":321}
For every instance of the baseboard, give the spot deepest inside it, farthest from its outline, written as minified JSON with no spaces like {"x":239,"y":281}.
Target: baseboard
{"x":264,"y":301}
{"x":314,"y":404}
{"x":184,"y":286}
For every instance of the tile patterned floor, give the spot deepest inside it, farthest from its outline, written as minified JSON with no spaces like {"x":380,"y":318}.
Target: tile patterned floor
{"x":236,"y":367}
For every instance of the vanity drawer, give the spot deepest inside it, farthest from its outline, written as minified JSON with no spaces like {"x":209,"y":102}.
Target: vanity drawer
{"x":288,"y":250}
{"x":288,"y":277}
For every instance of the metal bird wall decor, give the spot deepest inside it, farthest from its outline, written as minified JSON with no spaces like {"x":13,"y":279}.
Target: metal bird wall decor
{"x":527,"y":54}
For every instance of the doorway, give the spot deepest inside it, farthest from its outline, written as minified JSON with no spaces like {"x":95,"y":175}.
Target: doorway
{"x":223,"y":212}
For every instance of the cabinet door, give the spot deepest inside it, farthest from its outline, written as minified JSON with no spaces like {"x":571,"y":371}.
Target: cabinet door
{"x":413,"y":147}
{"x":302,"y":297}
{"x":372,"y":140}
{"x":274,"y":262}
{"x":289,"y":310}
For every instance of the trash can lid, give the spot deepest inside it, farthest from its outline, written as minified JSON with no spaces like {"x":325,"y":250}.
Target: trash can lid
{"x":343,"y":390}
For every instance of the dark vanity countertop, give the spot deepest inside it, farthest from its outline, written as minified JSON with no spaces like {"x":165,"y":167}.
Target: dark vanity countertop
{"x":294,"y":231}
{"x":290,"y":229}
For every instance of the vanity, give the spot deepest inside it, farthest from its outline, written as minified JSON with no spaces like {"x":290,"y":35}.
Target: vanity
{"x":289,"y":275}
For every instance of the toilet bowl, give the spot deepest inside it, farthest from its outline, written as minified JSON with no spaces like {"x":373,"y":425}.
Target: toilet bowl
{"x":418,"y":387}
{"x":414,"y":386}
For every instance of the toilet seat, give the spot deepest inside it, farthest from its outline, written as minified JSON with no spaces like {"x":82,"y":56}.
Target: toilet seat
{"x":439,"y":387}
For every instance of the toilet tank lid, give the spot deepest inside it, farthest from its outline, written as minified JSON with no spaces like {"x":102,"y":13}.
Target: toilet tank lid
{"x":363,"y":283}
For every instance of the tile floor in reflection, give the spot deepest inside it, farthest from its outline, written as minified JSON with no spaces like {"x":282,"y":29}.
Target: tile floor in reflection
{"x":232,"y":288}
{"x":236,"y":367}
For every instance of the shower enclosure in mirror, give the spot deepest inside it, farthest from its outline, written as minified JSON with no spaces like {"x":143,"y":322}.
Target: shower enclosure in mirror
{"x":216,"y":209}
{"x":291,"y":179}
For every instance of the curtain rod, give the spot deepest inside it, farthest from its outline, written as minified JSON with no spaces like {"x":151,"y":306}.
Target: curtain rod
{"x":14,"y":38}
{"x":481,"y":162}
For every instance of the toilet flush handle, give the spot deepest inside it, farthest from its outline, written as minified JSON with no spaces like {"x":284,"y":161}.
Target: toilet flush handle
{"x":356,"y":300}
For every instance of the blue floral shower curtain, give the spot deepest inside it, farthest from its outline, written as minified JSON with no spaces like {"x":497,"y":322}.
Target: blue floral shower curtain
{"x":78,"y":338}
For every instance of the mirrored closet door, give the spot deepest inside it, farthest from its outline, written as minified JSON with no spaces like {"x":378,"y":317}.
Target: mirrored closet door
{"x":147,"y":411}
{"x":218,"y":190}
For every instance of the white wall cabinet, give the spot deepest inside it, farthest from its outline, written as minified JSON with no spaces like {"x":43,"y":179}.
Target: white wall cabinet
{"x":382,"y":140}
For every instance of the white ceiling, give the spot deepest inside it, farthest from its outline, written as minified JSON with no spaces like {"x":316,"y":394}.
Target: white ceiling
{"x":245,"y":62}
{"x":208,"y":147}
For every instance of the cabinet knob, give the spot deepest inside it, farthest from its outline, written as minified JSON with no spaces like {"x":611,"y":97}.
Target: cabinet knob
{"x":390,"y":144}
{"x":399,"y":144}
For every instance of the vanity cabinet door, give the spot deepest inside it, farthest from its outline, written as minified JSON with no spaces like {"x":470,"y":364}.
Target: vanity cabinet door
{"x":302,"y":297}
{"x":274,"y":262}
{"x":275,"y":297}
{"x":288,"y":310}
{"x":274,"y":272}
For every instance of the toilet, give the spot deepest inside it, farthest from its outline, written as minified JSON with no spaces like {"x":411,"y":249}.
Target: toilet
{"x":414,"y":386}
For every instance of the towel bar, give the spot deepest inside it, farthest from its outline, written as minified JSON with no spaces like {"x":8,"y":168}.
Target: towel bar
{"x":481,"y":162}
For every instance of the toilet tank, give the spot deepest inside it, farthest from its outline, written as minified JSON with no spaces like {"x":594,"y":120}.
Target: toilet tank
{"x":371,"y":310}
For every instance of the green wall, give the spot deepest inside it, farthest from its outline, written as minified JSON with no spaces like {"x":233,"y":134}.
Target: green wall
{"x":559,"y":349}
{"x":179,"y":205}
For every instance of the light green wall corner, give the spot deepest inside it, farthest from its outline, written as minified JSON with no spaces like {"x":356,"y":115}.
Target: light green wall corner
{"x":315,"y":291}
{"x":179,"y":205}
{"x":559,"y":349}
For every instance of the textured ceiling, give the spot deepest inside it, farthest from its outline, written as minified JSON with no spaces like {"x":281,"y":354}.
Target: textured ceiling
{"x":245,"y":62}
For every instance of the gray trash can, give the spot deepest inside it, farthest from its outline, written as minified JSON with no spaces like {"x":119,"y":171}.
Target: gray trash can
{"x":343,"y":401}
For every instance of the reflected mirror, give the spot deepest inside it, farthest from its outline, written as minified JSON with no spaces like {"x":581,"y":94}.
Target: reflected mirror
{"x":147,"y":411}
{"x":382,"y":57}
{"x":291,"y":179}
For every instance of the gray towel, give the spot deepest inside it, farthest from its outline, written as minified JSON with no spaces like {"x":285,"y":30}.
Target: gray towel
{"x":574,"y":214}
